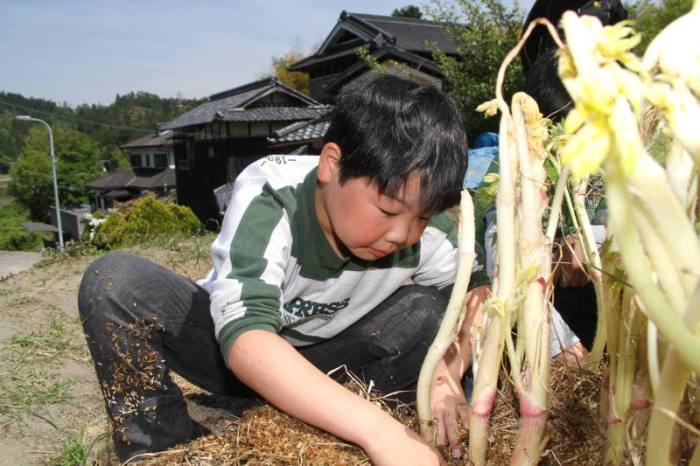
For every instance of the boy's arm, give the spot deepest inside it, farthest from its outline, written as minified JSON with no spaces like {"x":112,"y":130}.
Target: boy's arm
{"x":275,"y":370}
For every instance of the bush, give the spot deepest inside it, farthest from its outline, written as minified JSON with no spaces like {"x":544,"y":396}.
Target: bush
{"x":13,"y":236}
{"x":145,"y":219}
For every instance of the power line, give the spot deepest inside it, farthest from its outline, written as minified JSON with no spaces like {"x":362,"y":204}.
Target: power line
{"x":75,"y":120}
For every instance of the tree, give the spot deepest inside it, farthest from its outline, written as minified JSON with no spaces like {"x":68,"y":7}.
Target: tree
{"x":294,"y":79}
{"x":130,"y":116}
{"x":410,"y":11}
{"x":31,"y":175}
{"x":484,"y":31}
{"x":10,"y":140}
{"x":115,"y":159}
{"x":652,"y":16}
{"x":13,"y":236}
{"x":79,"y":161}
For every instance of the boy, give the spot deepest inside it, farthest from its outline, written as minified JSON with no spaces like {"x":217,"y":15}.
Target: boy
{"x":310,"y":273}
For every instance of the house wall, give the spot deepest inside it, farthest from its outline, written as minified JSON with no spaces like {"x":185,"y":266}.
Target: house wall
{"x":202,"y":166}
{"x":146,"y":156}
{"x":222,"y":130}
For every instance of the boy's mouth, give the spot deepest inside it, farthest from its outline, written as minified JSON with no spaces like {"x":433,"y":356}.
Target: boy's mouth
{"x":377,"y":253}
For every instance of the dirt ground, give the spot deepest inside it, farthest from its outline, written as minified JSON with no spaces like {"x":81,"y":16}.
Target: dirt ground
{"x":49,"y":397}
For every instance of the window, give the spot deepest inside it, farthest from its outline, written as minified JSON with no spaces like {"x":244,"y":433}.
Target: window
{"x":160,"y":160}
{"x":136,"y":161}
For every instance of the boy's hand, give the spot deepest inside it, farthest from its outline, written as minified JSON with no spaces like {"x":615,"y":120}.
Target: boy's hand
{"x":400,"y":447}
{"x":449,"y":407}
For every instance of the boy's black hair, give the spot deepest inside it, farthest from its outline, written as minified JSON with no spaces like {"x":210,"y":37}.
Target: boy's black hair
{"x":388,"y":128}
{"x":539,"y":56}
{"x":544,"y":85}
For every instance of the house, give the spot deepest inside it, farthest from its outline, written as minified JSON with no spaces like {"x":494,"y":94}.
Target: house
{"x":301,"y":138}
{"x":152,"y":151}
{"x":404,"y":44}
{"x":152,"y":169}
{"x":215,"y":141}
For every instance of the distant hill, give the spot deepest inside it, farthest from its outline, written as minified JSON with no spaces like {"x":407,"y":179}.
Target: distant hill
{"x":130,"y":116}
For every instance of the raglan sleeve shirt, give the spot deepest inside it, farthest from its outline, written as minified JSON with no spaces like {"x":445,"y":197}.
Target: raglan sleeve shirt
{"x":249,"y":257}
{"x":438,"y":265}
{"x":254,"y":261}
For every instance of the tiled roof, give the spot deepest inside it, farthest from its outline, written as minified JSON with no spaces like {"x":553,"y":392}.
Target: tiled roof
{"x":152,"y":140}
{"x":382,"y":55}
{"x":302,"y":131}
{"x":235,"y":98}
{"x":314,"y":59}
{"x":406,"y":34}
{"x":276,"y":113}
{"x":411,"y":33}
{"x":137,"y":178}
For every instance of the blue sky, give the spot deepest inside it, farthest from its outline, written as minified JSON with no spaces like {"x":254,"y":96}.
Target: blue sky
{"x":89,"y":51}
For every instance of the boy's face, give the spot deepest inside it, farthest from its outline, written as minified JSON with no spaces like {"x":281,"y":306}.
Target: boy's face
{"x":358,"y":220}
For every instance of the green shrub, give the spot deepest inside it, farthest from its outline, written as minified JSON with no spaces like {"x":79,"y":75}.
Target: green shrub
{"x":13,"y":236}
{"x":145,"y":219}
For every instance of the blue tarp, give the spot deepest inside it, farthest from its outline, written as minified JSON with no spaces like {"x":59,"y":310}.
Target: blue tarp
{"x":481,"y":157}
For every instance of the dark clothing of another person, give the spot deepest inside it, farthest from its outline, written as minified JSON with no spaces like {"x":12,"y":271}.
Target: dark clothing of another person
{"x":540,"y":41}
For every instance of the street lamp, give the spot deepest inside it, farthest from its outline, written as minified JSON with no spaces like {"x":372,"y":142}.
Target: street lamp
{"x":53,"y":170}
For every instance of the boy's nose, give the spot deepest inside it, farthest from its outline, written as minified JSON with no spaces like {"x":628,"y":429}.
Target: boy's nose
{"x":399,"y":232}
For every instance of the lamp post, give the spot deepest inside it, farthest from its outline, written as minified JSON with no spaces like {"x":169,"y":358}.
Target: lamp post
{"x":53,"y":170}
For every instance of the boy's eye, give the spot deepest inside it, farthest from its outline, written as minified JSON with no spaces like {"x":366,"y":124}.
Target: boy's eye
{"x":387,"y":213}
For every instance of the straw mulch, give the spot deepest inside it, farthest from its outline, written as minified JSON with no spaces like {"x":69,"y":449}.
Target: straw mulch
{"x":263,"y":436}
{"x":266,"y":436}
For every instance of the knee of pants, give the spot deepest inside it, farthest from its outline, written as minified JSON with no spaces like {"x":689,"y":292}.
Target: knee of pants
{"x":105,"y":281}
{"x":413,"y":325}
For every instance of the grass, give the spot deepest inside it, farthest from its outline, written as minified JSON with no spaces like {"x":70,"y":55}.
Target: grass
{"x":30,"y":381}
{"x":74,"y":453}
{"x":18,"y":300}
{"x":194,"y":248}
{"x":188,"y":248}
{"x":26,"y":390}
{"x":50,"y":344}
{"x":70,"y":251}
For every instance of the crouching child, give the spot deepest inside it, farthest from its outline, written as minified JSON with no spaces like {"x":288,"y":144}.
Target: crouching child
{"x":322,"y":261}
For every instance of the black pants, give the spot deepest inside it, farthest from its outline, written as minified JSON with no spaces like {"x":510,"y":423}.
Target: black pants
{"x":142,"y":320}
{"x":578,"y":308}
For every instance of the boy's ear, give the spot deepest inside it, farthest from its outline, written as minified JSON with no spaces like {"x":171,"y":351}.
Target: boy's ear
{"x":329,"y":162}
